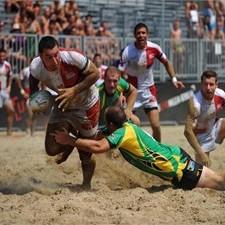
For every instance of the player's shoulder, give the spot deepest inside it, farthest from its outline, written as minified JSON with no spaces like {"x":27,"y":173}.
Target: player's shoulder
{"x":73,"y":57}
{"x":100,"y":86}
{"x":25,"y":71}
{"x":36,"y":62}
{"x":36,"y":66}
{"x":151,"y":44}
{"x":70,"y":53}
{"x":196,"y":99}
{"x":122,"y":81}
{"x":130,"y":46}
{"x":220,"y":92}
{"x":197,"y":95}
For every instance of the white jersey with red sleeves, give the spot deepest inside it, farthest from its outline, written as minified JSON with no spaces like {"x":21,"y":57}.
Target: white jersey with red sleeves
{"x":139,"y":62}
{"x":5,"y":74}
{"x":206,"y":118}
{"x":206,"y":111}
{"x":72,"y":63}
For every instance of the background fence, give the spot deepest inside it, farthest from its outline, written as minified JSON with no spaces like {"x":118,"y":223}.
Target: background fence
{"x":196,"y":55}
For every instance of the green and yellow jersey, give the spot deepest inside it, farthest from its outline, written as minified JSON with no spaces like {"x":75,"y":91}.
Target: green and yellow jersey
{"x":109,"y":100}
{"x":141,"y":150}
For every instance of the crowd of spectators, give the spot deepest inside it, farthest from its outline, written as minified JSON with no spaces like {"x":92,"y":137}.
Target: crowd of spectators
{"x":205,"y":19}
{"x":56,"y":18}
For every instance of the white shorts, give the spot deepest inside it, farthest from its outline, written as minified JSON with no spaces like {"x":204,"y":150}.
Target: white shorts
{"x":84,"y":121}
{"x":146,"y":98}
{"x":4,"y":97}
{"x":209,"y":140}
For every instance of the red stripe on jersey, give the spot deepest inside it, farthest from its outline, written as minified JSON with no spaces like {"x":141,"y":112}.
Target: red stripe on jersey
{"x":93,"y":116}
{"x":70,"y":74}
{"x":219,"y":102}
{"x":153,"y":90}
{"x":151,"y":54}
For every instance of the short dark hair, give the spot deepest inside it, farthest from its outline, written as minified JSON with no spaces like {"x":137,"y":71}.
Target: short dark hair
{"x":115,"y":115}
{"x":47,"y":42}
{"x":140,"y":25}
{"x":209,"y":74}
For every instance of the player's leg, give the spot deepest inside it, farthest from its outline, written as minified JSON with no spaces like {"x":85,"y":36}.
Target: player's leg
{"x":31,"y":120}
{"x":88,"y":167}
{"x":153,"y":116}
{"x":8,"y":106}
{"x":52,"y":148}
{"x":88,"y":129}
{"x":152,"y":111}
{"x":211,"y":179}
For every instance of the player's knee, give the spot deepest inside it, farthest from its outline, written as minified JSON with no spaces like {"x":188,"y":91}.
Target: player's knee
{"x":10,"y":112}
{"x":51,"y":152}
{"x":51,"y":149}
{"x":156,"y":127}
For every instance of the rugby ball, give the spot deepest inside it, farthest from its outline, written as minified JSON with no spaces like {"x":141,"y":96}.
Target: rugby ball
{"x":41,"y":101}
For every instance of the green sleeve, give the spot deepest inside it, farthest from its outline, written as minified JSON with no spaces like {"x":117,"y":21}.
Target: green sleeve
{"x":116,"y":138}
{"x":123,"y":85}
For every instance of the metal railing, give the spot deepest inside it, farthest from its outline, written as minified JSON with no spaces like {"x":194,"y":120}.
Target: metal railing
{"x":189,"y":57}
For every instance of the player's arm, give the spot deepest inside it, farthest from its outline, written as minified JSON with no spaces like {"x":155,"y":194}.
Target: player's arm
{"x":190,"y":135}
{"x":9,"y":80}
{"x":131,"y":96}
{"x":91,"y":75}
{"x":88,"y":145}
{"x":170,"y":70}
{"x":19,"y":84}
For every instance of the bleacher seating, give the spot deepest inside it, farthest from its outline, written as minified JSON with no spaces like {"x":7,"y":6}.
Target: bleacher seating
{"x":122,"y":15}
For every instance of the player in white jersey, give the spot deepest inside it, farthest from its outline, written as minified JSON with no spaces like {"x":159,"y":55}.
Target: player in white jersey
{"x":5,"y":88}
{"x":203,"y":129}
{"x":137,"y":61}
{"x":72,"y":75}
{"x":24,"y":85}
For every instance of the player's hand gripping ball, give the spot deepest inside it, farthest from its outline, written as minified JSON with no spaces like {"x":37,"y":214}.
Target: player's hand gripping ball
{"x":41,"y":101}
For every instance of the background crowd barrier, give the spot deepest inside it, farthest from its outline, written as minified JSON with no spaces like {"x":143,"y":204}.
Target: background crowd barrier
{"x":190,"y":61}
{"x":191,"y":58}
